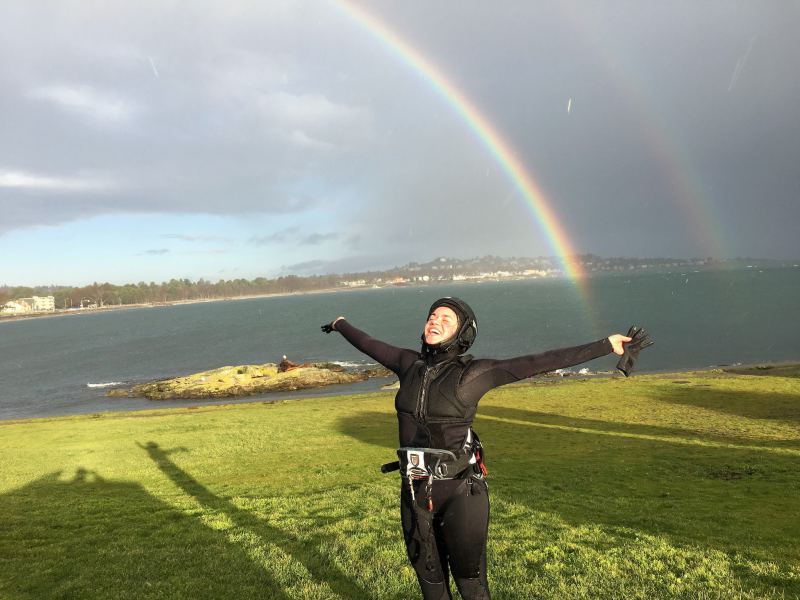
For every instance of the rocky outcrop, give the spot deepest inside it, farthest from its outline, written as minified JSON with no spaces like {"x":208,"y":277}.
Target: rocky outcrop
{"x":244,"y":380}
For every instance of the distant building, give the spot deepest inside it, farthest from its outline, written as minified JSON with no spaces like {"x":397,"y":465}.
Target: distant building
{"x":14,"y":308}
{"x":30,"y":305}
{"x":44,"y":303}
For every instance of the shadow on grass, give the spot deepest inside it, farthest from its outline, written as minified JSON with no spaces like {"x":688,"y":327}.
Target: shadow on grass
{"x":761,"y":405}
{"x":592,"y":472}
{"x":91,"y":537}
{"x":380,"y":429}
{"x":375,"y":428}
{"x":310,"y":553}
{"x":791,"y":371}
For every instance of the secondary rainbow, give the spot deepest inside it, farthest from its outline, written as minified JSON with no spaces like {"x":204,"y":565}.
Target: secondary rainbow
{"x":686,"y":186}
{"x":500,"y":149}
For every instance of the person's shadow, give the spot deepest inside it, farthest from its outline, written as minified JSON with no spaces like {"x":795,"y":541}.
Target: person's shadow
{"x":88,"y":536}
{"x":308,"y":553}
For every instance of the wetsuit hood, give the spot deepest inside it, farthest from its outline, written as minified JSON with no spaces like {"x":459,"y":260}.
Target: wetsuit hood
{"x":467,"y":329}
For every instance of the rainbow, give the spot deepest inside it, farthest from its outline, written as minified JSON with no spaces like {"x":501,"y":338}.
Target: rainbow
{"x":686,"y":186}
{"x":499,"y":148}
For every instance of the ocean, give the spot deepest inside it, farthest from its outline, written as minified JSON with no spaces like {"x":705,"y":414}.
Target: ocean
{"x":64,"y":365}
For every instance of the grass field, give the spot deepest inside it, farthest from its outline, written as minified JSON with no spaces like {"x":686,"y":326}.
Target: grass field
{"x":662,"y":486}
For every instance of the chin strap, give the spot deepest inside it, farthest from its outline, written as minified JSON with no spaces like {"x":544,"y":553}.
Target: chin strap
{"x":451,"y":346}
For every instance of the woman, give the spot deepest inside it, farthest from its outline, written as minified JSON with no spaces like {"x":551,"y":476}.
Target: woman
{"x":444,"y":505}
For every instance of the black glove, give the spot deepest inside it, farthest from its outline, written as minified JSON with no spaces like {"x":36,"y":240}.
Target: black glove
{"x":640,"y":340}
{"x":328,"y":327}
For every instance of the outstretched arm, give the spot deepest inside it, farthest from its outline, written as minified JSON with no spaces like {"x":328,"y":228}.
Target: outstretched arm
{"x":391,"y":357}
{"x":485,"y":374}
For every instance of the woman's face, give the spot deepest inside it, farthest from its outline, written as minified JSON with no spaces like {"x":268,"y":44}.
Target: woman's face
{"x":441,"y":326}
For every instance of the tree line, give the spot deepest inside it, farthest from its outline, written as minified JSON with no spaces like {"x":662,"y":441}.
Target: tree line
{"x":105,"y":294}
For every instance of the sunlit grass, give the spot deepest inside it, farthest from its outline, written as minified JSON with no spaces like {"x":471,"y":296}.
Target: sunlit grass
{"x":669,"y":486}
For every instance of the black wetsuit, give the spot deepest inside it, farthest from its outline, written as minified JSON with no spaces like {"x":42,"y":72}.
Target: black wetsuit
{"x":436,"y":404}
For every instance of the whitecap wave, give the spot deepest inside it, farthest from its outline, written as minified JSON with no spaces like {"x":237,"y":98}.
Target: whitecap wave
{"x":346,"y":364}
{"x":104,"y":385}
{"x":568,"y":372}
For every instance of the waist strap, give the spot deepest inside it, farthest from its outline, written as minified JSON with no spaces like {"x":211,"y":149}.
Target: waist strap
{"x":423,"y":463}
{"x":435,"y":463}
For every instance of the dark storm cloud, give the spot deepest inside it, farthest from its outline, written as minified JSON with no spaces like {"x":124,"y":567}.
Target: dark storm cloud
{"x":643,"y":124}
{"x":623,"y":116}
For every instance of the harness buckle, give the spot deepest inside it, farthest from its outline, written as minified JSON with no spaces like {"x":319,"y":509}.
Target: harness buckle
{"x":425,"y":463}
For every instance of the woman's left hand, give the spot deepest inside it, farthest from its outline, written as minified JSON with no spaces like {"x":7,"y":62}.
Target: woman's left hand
{"x":616,"y":342}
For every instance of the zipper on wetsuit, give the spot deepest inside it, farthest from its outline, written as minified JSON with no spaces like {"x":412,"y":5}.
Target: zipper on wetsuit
{"x":421,"y":411}
{"x":421,"y":398}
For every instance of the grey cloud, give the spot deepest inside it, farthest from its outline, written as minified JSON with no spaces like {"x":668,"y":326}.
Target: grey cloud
{"x":23,"y":181}
{"x":195,"y":238}
{"x":294,"y":235}
{"x":315,"y":239}
{"x":228,"y":119}
{"x":347,"y":264}
{"x":277,"y":237}
{"x":305,"y":266}
{"x":353,"y":241}
{"x":87,"y":102}
{"x":207,"y":252}
{"x":157,"y":251}
{"x":261,"y":109}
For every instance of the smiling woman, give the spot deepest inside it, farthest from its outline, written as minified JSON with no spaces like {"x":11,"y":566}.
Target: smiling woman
{"x":441,"y":325}
{"x":445,"y":500}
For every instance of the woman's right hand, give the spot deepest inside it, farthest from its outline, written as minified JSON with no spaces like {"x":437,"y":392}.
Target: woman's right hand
{"x":328,"y":327}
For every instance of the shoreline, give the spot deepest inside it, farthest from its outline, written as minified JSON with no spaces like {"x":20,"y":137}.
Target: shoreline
{"x":117,"y":307}
{"x":170,"y":303}
{"x":789,"y":368}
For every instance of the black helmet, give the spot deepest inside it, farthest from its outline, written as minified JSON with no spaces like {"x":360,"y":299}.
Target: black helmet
{"x":467,"y":324}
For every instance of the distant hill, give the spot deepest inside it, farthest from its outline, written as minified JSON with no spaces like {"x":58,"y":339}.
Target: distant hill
{"x":437,"y":270}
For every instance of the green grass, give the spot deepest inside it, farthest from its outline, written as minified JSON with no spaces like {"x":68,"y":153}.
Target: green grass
{"x":662,"y":486}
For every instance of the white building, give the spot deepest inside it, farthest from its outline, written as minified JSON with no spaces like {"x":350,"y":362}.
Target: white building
{"x":14,"y":308}
{"x":30,"y":305}
{"x":44,"y":303}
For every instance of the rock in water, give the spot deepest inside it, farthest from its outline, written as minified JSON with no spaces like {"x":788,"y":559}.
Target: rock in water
{"x":243,"y":380}
{"x":286,"y":365}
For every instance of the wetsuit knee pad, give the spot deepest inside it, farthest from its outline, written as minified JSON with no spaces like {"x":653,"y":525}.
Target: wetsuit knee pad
{"x":434,"y":591}
{"x":473,"y":588}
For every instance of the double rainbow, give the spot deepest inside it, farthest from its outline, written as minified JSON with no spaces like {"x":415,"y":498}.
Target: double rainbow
{"x":499,"y":148}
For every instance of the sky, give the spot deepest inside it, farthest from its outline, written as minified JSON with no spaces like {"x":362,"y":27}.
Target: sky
{"x":144,"y":141}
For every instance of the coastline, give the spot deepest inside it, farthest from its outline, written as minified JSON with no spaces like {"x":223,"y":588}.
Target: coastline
{"x":57,"y":367}
{"x":338,"y":289}
{"x":170,"y":303}
{"x":117,"y":307}
{"x":790,"y":369}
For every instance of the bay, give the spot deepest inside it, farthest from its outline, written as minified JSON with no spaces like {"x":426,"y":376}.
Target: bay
{"x":698,"y":320}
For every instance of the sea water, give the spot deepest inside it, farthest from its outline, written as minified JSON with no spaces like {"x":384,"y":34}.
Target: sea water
{"x":66,"y":364}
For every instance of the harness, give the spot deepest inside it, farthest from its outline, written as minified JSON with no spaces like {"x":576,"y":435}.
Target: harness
{"x":429,"y":464}
{"x":436,"y":464}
